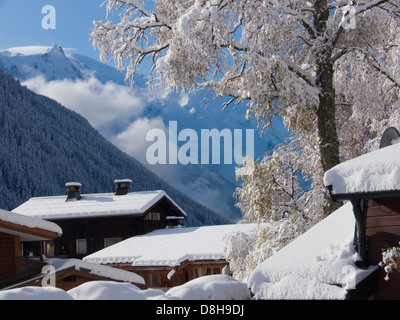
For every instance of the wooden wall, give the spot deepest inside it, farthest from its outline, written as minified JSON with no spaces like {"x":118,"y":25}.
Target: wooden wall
{"x":188,"y":270}
{"x":382,"y":223}
{"x":9,"y":250}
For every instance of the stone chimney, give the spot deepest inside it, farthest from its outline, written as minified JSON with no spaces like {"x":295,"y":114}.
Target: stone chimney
{"x":73,"y":190}
{"x":123,"y":186}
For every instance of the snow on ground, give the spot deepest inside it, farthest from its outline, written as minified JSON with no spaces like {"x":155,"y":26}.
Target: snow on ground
{"x":214,"y":287}
{"x":35,"y":293}
{"x":110,"y":290}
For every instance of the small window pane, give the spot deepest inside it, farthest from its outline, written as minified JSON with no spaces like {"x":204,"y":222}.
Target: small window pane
{"x":156,"y":216}
{"x":197,"y":272}
{"x":154,"y":279}
{"x":81,"y":246}
{"x":216,"y":270}
{"x":111,"y":241}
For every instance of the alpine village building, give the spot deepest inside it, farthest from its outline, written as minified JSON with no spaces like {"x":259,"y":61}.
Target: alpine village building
{"x":17,"y":270}
{"x":91,"y":222}
{"x":371,"y":183}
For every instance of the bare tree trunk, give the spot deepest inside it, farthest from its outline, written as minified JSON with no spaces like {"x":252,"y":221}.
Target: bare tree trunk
{"x":326,"y":112}
{"x":329,"y":141}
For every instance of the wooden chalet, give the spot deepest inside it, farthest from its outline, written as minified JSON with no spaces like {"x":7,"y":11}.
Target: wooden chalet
{"x":91,"y":222}
{"x":372,"y":184}
{"x":14,"y":230}
{"x":171,"y":257}
{"x":18,"y":271}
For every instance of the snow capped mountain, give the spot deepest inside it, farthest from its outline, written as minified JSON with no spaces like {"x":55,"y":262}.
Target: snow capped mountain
{"x":52,"y":63}
{"x":124,"y":115}
{"x":55,"y":63}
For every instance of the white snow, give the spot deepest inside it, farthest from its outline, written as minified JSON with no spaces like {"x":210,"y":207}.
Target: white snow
{"x":372,"y":172}
{"x":26,"y":51}
{"x":35,"y":293}
{"x":320,"y":264}
{"x":110,"y":290}
{"x":215,"y":287}
{"x":96,"y":269}
{"x":91,"y":205}
{"x":169,"y":247}
{"x":29,"y":222}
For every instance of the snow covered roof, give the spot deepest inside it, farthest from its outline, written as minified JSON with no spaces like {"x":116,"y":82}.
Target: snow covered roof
{"x":29,"y":222}
{"x":374,"y":172}
{"x":91,"y":205}
{"x":319,"y":264}
{"x":96,"y":269}
{"x":170,"y":247}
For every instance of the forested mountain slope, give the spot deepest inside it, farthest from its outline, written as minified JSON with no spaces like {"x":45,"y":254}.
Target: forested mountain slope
{"x":43,"y":145}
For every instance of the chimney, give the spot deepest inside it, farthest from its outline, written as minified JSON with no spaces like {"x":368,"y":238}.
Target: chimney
{"x":123,"y":186}
{"x":73,"y":191}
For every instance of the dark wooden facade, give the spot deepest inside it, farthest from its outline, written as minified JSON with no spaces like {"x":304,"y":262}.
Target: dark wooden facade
{"x":9,"y":251}
{"x":382,"y":225}
{"x":98,"y":232}
{"x":377,"y":228}
{"x":157,"y":276}
{"x":13,"y":266}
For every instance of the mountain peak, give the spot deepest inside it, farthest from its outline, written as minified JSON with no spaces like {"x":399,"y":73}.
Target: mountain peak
{"x":55,"y":49}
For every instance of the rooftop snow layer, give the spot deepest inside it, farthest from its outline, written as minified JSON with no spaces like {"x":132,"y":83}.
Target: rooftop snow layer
{"x":170,"y":247}
{"x":90,"y":205}
{"x":319,"y":264}
{"x":29,"y":222}
{"x":376,"y":171}
{"x":94,"y":268}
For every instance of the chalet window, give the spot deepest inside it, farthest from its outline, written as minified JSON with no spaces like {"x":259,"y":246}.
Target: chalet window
{"x":81,"y":246}
{"x":152,"y":280}
{"x":110,"y":241}
{"x":216,"y":270}
{"x":153,"y":216}
{"x":199,"y":272}
{"x":50,"y":249}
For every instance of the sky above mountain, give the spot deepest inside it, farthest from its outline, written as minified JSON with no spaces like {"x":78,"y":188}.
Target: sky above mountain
{"x":22,"y":21}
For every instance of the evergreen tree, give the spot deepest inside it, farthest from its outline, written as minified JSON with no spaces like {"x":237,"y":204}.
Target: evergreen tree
{"x":43,"y":145}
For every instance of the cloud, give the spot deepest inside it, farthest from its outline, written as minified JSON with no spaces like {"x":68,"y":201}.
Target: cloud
{"x":133,"y":139}
{"x":104,"y":105}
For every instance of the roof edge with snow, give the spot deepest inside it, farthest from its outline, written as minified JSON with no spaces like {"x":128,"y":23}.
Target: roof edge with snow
{"x":374,"y":174}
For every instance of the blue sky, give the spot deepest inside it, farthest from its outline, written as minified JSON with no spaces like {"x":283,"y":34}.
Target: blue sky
{"x":21,"y":24}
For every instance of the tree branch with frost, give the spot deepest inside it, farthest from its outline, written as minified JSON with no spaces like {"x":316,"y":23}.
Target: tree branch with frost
{"x":129,"y":38}
{"x":358,"y":9}
{"x":384,"y":71}
{"x":373,"y":61}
